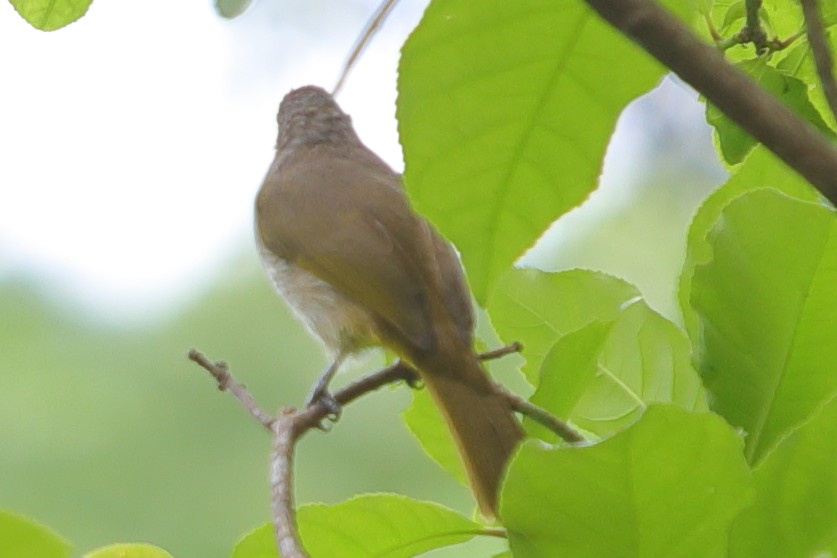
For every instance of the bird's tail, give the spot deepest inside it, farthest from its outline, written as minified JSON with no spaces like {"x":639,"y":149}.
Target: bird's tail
{"x":483,"y":425}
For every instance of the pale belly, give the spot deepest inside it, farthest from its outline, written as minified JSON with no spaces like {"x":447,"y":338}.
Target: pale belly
{"x":341,"y":324}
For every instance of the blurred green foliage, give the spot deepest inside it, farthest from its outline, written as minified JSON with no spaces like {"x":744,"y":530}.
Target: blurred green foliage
{"x":108,"y":433}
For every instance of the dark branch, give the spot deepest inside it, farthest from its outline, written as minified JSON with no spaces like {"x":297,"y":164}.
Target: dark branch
{"x":822,"y":52}
{"x":511,"y":348}
{"x":541,"y":416}
{"x":312,"y":416}
{"x":753,"y":31}
{"x":772,"y":123}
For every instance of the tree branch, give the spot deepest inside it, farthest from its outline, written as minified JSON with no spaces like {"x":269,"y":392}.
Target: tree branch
{"x":511,"y":348}
{"x":220,"y":371}
{"x":822,"y":52}
{"x":287,"y":428}
{"x":291,"y":424}
{"x":281,"y":482}
{"x":541,"y":416}
{"x":765,"y":118}
{"x":753,"y":30}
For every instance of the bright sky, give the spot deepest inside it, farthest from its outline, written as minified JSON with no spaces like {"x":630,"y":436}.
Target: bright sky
{"x":134,"y":140}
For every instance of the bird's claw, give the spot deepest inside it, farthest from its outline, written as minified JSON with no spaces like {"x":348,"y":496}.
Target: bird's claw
{"x":331,"y":405}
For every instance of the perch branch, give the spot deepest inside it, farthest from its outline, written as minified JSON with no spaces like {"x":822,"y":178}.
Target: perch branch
{"x":287,"y":428}
{"x":700,"y":65}
{"x":313,"y":415}
{"x":291,"y":424}
{"x":822,"y":52}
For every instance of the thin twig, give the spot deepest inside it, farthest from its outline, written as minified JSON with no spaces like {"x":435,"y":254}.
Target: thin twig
{"x":791,"y":138}
{"x":783,"y":44}
{"x":373,"y":25}
{"x":822,"y":52}
{"x":710,"y":25}
{"x":509,"y":349}
{"x":313,"y":415}
{"x":524,"y":407}
{"x":220,"y":371}
{"x":753,"y":31}
{"x":541,"y":416}
{"x":281,"y":482}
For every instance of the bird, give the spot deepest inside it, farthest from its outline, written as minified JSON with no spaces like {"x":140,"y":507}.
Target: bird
{"x":342,"y":245}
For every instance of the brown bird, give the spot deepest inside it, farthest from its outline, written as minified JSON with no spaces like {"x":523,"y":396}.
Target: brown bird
{"x":342,"y":245}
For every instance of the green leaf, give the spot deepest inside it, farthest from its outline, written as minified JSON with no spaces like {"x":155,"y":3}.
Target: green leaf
{"x":258,"y":543}
{"x":668,"y":486}
{"x":372,"y":525}
{"x":734,"y":142}
{"x":129,"y":551}
{"x":766,"y":305}
{"x":603,"y":376}
{"x":761,"y":169}
{"x":795,"y":511}
{"x":704,"y":7}
{"x":504,"y":126}
{"x":569,"y":367}
{"x":425,"y":421}
{"x":537,"y":308}
{"x":783,"y":18}
{"x":798,"y":61}
{"x":735,"y":14}
{"x":49,"y":15}
{"x":20,"y":536}
{"x":828,"y":9}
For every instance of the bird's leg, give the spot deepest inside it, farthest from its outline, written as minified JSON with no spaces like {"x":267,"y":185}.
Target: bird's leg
{"x":320,"y":394}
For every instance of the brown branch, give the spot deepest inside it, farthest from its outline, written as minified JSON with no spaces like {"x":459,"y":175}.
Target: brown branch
{"x":287,"y":428}
{"x":291,"y":424}
{"x":822,"y":52}
{"x":759,"y":113}
{"x":509,"y":349}
{"x":220,"y":371}
{"x":753,"y":31}
{"x":281,"y":482}
{"x":541,"y":416}
{"x":313,"y":415}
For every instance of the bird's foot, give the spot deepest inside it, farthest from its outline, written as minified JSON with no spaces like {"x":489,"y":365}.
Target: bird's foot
{"x":321,"y":396}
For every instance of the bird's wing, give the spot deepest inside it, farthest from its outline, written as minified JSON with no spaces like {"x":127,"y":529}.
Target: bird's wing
{"x":354,"y":230}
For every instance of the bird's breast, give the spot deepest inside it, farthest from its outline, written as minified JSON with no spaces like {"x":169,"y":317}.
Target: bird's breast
{"x":340,"y":323}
